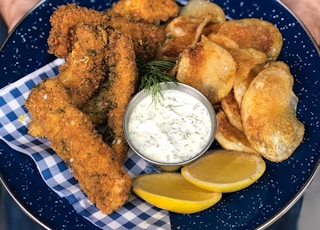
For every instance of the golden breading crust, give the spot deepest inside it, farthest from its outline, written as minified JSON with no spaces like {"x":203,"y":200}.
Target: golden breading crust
{"x":147,"y":38}
{"x":108,"y":104}
{"x":75,"y":140}
{"x":63,"y":22}
{"x":85,"y":65}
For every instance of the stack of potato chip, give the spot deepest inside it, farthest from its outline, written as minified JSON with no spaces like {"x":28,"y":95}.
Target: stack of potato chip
{"x":234,"y":64}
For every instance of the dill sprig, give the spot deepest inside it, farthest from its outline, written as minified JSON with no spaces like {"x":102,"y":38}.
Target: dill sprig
{"x":153,"y":73}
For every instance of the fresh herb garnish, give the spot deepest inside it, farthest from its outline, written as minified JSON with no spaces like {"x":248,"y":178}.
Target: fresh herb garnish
{"x":153,"y":73}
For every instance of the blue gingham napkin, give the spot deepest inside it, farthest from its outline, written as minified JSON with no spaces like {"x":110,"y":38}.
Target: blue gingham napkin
{"x":14,"y":117}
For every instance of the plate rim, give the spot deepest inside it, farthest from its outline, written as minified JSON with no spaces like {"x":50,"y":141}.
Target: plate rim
{"x":267,"y":223}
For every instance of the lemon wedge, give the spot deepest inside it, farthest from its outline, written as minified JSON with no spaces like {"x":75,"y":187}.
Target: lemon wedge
{"x":225,"y":170}
{"x":170,"y":191}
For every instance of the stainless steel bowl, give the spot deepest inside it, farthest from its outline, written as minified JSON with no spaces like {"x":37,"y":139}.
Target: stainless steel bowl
{"x":184,"y":89}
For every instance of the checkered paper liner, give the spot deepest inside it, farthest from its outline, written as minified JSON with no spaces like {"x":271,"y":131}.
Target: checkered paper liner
{"x":135,"y":214}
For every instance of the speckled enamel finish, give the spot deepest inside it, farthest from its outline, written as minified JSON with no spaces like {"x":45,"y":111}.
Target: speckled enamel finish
{"x":254,"y":207}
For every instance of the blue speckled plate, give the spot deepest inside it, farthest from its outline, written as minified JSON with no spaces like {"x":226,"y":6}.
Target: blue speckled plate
{"x":255,"y":207}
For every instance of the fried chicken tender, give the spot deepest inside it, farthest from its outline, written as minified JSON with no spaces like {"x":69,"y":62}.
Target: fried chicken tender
{"x":111,"y":99}
{"x":150,"y":11}
{"x":85,"y":65}
{"x":75,"y":140}
{"x":147,"y":38}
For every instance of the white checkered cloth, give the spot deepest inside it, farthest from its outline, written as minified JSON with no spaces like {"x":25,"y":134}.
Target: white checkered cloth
{"x":135,"y":214}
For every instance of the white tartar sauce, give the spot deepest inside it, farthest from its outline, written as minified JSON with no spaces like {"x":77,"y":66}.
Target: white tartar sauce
{"x":173,"y":130}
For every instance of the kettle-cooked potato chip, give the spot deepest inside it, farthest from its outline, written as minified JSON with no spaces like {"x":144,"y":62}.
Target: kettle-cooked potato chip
{"x":246,"y":60}
{"x":209,"y":68}
{"x":279,"y":64}
{"x":203,"y":8}
{"x":182,"y":32}
{"x":231,"y":109}
{"x":223,"y":41}
{"x":268,"y":112}
{"x":254,"y":33}
{"x":230,"y":137}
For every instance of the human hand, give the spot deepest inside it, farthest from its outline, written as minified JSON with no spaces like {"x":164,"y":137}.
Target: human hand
{"x":307,"y":10}
{"x":13,"y":10}
{"x":309,"y":13}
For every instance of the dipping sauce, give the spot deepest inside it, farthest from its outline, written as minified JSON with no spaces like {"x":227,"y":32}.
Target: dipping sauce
{"x":172,"y":130}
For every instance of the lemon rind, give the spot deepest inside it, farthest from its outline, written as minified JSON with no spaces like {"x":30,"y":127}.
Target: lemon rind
{"x":227,"y":187}
{"x":177,"y":205}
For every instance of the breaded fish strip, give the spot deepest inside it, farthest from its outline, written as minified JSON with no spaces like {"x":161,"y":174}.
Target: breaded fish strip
{"x":85,"y":65}
{"x":75,"y":140}
{"x":147,"y":38}
{"x":150,"y":11}
{"x":110,"y":101}
{"x":63,"y":22}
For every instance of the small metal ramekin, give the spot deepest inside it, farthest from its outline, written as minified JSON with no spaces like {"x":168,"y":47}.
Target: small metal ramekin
{"x":167,"y":86}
